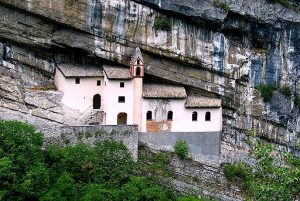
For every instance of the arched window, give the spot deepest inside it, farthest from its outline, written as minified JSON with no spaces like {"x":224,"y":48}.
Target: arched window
{"x":170,"y":116}
{"x":138,"y":71}
{"x":138,"y":62}
{"x":149,"y":115}
{"x":97,"y":102}
{"x":207,"y":116}
{"x":194,"y":116}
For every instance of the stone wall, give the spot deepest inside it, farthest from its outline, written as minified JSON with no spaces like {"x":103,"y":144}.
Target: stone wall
{"x":92,"y":134}
{"x":202,"y":145}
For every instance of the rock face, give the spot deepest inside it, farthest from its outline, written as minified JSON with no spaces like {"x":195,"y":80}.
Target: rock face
{"x":219,"y":48}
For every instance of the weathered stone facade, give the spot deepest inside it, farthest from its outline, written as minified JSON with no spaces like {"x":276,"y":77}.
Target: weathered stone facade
{"x":64,"y":135}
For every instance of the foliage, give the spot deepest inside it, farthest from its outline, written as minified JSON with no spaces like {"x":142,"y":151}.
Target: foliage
{"x":286,"y":90}
{"x":46,"y":87}
{"x":297,"y":101}
{"x":235,"y":173}
{"x":162,"y":23}
{"x":222,"y":5}
{"x":287,"y":3}
{"x":275,"y":176}
{"x":105,"y":171}
{"x":266,"y":91}
{"x":181,"y":149}
{"x":191,"y":198}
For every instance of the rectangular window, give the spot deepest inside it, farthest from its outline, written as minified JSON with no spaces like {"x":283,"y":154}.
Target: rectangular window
{"x":98,"y":82}
{"x":122,"y":84}
{"x":121,"y":99}
{"x":77,"y":81}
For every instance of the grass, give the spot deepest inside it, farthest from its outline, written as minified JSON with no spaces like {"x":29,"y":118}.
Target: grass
{"x":48,"y":87}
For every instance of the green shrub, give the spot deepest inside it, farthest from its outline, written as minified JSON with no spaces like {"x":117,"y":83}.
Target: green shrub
{"x":82,"y":172}
{"x":285,"y":3}
{"x":191,"y":198}
{"x":162,"y":23}
{"x":286,"y":90}
{"x":274,"y":175}
{"x":266,"y":91}
{"x":297,"y":101}
{"x":181,"y":149}
{"x":235,"y":172}
{"x":222,"y":5}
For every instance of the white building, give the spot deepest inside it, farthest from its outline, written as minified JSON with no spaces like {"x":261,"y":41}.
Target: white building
{"x":125,"y":99}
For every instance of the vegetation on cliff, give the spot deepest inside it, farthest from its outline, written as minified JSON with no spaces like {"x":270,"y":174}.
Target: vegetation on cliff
{"x":274,"y":176}
{"x":81,"y":172}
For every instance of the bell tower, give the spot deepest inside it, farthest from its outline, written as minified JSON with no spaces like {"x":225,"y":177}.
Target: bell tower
{"x":137,"y":64}
{"x":137,"y":71}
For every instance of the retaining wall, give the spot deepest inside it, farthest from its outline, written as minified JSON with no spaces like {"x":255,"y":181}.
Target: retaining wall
{"x":202,"y":145}
{"x":92,"y":134}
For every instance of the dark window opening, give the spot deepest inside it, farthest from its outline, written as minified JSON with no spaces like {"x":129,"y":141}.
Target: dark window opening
{"x":77,"y":81}
{"x":149,"y":115}
{"x":121,"y":99}
{"x":97,"y":102}
{"x":98,"y":82}
{"x":138,"y":71}
{"x":207,"y":116}
{"x":194,"y":116}
{"x":138,"y":62}
{"x":122,"y":84}
{"x":170,"y":116}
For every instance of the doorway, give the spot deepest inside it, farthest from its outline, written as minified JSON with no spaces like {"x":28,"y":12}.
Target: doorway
{"x":122,"y":118}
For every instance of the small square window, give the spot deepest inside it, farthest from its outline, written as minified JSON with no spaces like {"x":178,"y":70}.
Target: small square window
{"x":122,"y":84}
{"x":98,"y":82}
{"x":121,"y":99}
{"x":77,"y":81}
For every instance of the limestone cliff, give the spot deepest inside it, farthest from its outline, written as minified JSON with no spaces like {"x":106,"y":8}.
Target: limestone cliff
{"x":218,"y":48}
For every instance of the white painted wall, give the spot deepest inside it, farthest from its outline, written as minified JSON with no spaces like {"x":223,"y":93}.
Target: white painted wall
{"x":182,"y":116}
{"x":59,"y":80}
{"x":111,"y":105}
{"x":79,"y":96}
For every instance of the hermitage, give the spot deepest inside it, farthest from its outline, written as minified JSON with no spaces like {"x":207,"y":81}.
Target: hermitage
{"x":122,"y":97}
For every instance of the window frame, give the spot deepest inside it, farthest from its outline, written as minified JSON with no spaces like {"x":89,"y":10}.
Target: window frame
{"x":170,"y":116}
{"x":122,"y":84}
{"x":149,"y":118}
{"x":195,"y":116}
{"x":120,"y":99}
{"x":140,"y":71}
{"x":208,"y":116}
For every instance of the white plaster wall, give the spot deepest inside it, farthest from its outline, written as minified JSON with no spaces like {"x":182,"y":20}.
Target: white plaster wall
{"x":80,"y":96}
{"x":59,"y":80}
{"x":112,"y":107}
{"x":182,"y":117}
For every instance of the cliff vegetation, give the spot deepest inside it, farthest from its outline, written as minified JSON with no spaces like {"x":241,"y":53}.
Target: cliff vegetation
{"x":81,"y":172}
